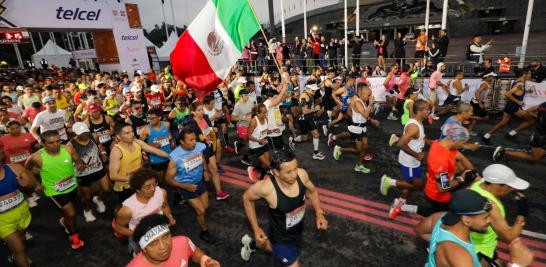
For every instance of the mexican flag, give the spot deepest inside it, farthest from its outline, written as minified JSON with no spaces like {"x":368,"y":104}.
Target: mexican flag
{"x":212,"y":43}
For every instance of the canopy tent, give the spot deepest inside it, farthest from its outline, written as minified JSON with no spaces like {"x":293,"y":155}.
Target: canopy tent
{"x":149,"y":43}
{"x":54,"y":55}
{"x":164,"y":53}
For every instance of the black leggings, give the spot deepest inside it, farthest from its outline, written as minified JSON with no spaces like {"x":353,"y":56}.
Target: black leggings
{"x":435,"y":206}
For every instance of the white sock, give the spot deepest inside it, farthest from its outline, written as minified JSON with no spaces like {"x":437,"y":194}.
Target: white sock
{"x":392,"y":182}
{"x":403,"y":200}
{"x":409,"y":208}
{"x":297,"y":138}
{"x":315,"y":144}
{"x":487,"y":135}
{"x":512,"y":133}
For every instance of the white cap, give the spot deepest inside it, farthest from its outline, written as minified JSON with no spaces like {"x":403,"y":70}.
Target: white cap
{"x":135,"y":89}
{"x":312,"y":86}
{"x":501,"y":174}
{"x":19,"y":88}
{"x":155,"y":88}
{"x":440,"y":65}
{"x":110,"y":92}
{"x":241,"y":79}
{"x":79,"y":128}
{"x":489,"y":74}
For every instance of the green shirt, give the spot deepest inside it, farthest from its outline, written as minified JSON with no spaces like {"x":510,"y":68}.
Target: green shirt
{"x":486,"y":243}
{"x":57,"y":173}
{"x":406,"y":115}
{"x":236,"y":92}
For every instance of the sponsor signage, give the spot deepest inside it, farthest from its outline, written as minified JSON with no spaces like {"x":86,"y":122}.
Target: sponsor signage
{"x":11,"y":37}
{"x":84,"y":54}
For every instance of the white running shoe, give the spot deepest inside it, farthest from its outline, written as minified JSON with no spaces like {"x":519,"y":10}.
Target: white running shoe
{"x":100,"y":204}
{"x":31,"y":202}
{"x":246,"y":251}
{"x":291,"y":143}
{"x":318,"y":156}
{"x":89,"y":217}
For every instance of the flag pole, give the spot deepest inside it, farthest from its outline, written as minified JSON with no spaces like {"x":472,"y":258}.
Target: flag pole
{"x":265,"y":37}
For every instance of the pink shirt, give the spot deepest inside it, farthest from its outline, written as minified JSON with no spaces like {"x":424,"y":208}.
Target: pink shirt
{"x":31,"y":113}
{"x":434,"y":78}
{"x":403,"y":84}
{"x":181,"y":252}
{"x":140,"y":210}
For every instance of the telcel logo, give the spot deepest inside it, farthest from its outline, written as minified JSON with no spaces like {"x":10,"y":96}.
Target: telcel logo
{"x":129,"y":37}
{"x":69,"y":14}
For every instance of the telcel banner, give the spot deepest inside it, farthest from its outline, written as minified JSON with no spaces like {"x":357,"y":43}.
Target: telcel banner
{"x":55,"y":14}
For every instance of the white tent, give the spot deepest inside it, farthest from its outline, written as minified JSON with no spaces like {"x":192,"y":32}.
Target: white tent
{"x":54,"y":55}
{"x":164,"y":53}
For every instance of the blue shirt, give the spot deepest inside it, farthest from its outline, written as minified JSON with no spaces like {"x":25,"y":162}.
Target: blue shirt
{"x":449,"y":120}
{"x":189,"y":164}
{"x":161,"y":137}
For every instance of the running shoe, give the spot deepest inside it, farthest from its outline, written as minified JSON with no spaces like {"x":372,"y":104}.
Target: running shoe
{"x":393,"y":212}
{"x":231,"y":125}
{"x":384,"y":186}
{"x":246,"y":250}
{"x":325,"y":129}
{"x":473,"y":133}
{"x":511,"y":138}
{"x":61,"y":222}
{"x":498,"y":153}
{"x":100,"y":204}
{"x":337,"y":152}
{"x":361,"y":168}
{"x":236,"y":147}
{"x":331,"y":139}
{"x":291,"y":143}
{"x":252,"y":175}
{"x":377,"y":108}
{"x":318,"y":156}
{"x":207,"y":237}
{"x":430,"y":119}
{"x":222,"y":195}
{"x":76,"y":242}
{"x":368,"y":156}
{"x":393,"y":139}
{"x":434,"y":117}
{"x":246,"y":162}
{"x":486,"y":139}
{"x":89,"y":217}
{"x":28,"y":236}
{"x":229,"y":149}
{"x":391,"y":117}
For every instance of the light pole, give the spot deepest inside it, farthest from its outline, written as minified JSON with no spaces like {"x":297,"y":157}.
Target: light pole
{"x":444,"y":15}
{"x":345,"y":34}
{"x":526,"y":33}
{"x":282,"y":20}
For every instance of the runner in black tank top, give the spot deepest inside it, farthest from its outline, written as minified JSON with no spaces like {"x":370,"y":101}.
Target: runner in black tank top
{"x":102,"y":131}
{"x":286,"y":220}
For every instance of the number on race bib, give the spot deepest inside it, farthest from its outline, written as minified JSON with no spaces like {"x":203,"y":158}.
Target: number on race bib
{"x":64,"y":184}
{"x":193,"y":162}
{"x":294,"y":217}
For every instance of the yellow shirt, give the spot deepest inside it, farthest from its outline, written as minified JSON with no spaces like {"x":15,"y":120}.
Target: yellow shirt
{"x":62,"y":102}
{"x":129,"y":163}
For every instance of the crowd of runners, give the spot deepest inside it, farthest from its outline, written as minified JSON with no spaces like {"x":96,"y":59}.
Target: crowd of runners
{"x":148,"y":142}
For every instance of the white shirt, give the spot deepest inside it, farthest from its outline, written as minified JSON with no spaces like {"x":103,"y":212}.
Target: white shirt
{"x":416,"y":145}
{"x":274,"y":119}
{"x":52,"y":121}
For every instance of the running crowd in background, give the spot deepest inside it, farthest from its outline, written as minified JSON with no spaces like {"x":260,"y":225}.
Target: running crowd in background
{"x":151,"y":143}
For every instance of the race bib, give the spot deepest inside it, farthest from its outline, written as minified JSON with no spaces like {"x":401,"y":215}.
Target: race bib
{"x":11,"y":201}
{"x":104,"y":137}
{"x":294,"y":217}
{"x":207,"y":131}
{"x":278,"y":117}
{"x":64,"y":184}
{"x":193,"y":162}
{"x":115,"y":110}
{"x":162,"y":141}
{"x":139,"y":129}
{"x":19,"y":157}
{"x":156,"y":102}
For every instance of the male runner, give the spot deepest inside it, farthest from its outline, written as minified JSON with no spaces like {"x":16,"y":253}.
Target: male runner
{"x":285,"y":192}
{"x":157,"y":134}
{"x":137,"y":119}
{"x":411,"y":155}
{"x":274,"y":117}
{"x":160,"y":248}
{"x":100,"y":125}
{"x":50,"y":119}
{"x":54,"y":165}
{"x":242,"y":113}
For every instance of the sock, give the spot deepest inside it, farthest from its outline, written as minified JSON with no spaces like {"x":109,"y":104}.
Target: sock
{"x":487,"y":135}
{"x":403,"y":200}
{"x":315,"y":144}
{"x":409,"y":208}
{"x":297,"y":139}
{"x":512,"y":133}
{"x":329,"y":112}
{"x":392,"y":182}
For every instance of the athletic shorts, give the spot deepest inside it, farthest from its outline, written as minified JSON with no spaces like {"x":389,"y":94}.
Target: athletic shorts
{"x":161,"y":166}
{"x":410,"y":173}
{"x":307,"y":124}
{"x":511,"y":107}
{"x":478,"y":111}
{"x":358,"y":132}
{"x":242,"y":130}
{"x":490,"y":261}
{"x":208,"y":152}
{"x":201,"y":188}
{"x":538,"y":140}
{"x":452,"y":99}
{"x":256,"y":152}
{"x":276,"y":142}
{"x":432,"y":96}
{"x":15,"y":219}
{"x":285,"y":109}
{"x":124,"y":194}
{"x":286,"y":254}
{"x":62,"y":200}
{"x":89,"y":179}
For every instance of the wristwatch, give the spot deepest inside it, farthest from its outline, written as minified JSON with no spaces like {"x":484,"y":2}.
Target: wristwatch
{"x":460,"y":179}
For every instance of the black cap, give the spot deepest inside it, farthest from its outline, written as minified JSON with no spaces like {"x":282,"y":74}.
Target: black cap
{"x":465,"y":202}
{"x":244,"y":92}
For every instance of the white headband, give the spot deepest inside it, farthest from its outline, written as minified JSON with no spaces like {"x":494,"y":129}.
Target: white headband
{"x":152,"y":235}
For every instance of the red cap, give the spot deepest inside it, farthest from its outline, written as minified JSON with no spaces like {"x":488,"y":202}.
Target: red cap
{"x":93,"y":107}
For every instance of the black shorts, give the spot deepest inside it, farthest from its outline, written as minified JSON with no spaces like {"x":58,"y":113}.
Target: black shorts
{"x":285,"y":109}
{"x":123,"y":195}
{"x":478,"y":111}
{"x":452,"y":99}
{"x":511,"y":107}
{"x":201,"y":188}
{"x":400,"y":105}
{"x":490,"y":261}
{"x":538,"y":140}
{"x":358,"y":136}
{"x":64,"y":199}
{"x":276,"y":142}
{"x":161,"y":166}
{"x":209,"y":152}
{"x":307,"y":123}
{"x":256,"y":152}
{"x":89,"y":179}
{"x":419,"y":54}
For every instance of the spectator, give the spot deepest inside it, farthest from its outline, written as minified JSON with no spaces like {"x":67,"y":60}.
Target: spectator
{"x":486,"y":68}
{"x":434,"y":54}
{"x":378,"y":72}
{"x":399,"y":48}
{"x":476,"y":49}
{"x":285,"y":51}
{"x":382,"y":52}
{"x":357,"y":50}
{"x":296,"y":52}
{"x":420,"y":45}
{"x":443,"y":44}
{"x":322,"y":54}
{"x":262,"y":54}
{"x":315,"y":44}
{"x":332,"y":52}
{"x":538,"y":72}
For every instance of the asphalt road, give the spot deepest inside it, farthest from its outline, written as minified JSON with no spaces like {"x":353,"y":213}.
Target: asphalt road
{"x":359,"y":233}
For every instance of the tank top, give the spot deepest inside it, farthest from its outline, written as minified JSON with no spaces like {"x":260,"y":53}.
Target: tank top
{"x":391,"y":83}
{"x":483,"y":94}
{"x":161,"y":137}
{"x":27,"y":101}
{"x":140,"y":210}
{"x":288,"y":101}
{"x":357,"y":117}
{"x":416,"y":145}
{"x":346,"y":99}
{"x":129,"y":163}
{"x":179,"y":118}
{"x":260,"y":132}
{"x":138,"y":123}
{"x":406,"y":116}
{"x":102,"y":130}
{"x":486,"y":242}
{"x":286,"y":224}
{"x":10,"y":194}
{"x":90,"y":156}
{"x":452,"y":89}
{"x":57,"y":173}
{"x":113,"y":103}
{"x":274,"y":119}
{"x":440,"y":235}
